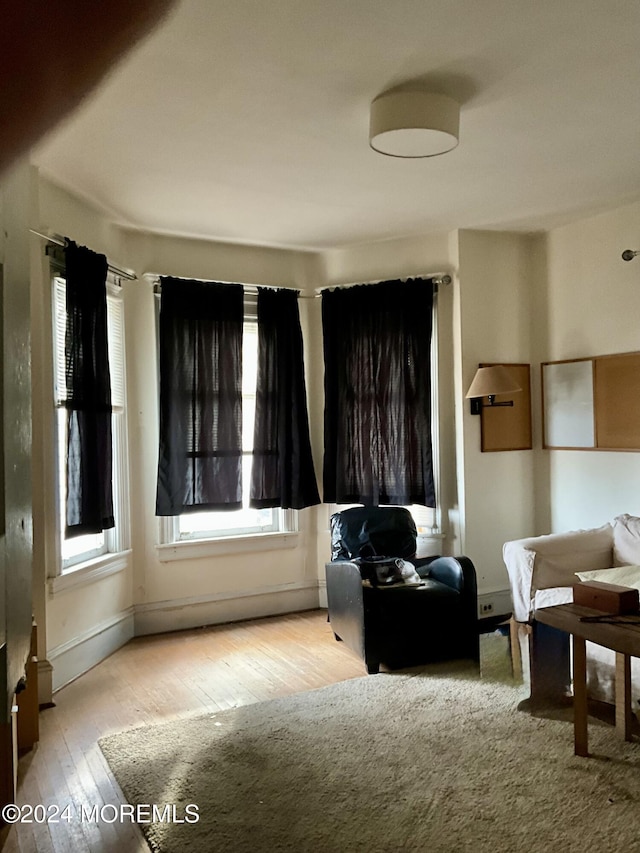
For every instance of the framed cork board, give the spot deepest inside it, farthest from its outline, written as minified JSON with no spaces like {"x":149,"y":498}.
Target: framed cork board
{"x":592,"y":403}
{"x":508,"y":427}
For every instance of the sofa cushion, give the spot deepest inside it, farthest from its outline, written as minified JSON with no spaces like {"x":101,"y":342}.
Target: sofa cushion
{"x":559,"y":556}
{"x":620,"y":575}
{"x":626,"y":540}
{"x":550,"y":573}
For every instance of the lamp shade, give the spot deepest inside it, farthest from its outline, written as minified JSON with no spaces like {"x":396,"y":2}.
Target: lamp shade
{"x":413,"y":124}
{"x":490,"y":381}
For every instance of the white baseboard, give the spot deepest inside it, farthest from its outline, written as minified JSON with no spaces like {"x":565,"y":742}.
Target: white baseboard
{"x":71,"y":659}
{"x":178,"y":614}
{"x":322,"y":593}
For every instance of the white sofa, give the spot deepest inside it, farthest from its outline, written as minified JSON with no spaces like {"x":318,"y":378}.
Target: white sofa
{"x":543,"y":569}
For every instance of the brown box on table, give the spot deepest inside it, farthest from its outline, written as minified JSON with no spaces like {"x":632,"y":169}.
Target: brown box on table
{"x":608,"y":597}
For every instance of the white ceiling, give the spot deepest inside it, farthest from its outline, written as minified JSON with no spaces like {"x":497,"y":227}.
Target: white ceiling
{"x":246,"y":120}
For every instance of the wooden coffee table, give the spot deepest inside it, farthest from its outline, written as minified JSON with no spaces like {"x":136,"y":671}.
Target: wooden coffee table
{"x":622,"y":636}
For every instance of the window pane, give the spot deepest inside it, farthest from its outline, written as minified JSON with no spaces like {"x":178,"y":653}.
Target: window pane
{"x":249,"y":381}
{"x":202,"y":525}
{"x":82,"y":548}
{"x":78,"y":548}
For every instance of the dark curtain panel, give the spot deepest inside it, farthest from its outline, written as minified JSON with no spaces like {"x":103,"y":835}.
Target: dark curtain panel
{"x":377,"y":425}
{"x":200,"y":454}
{"x":88,"y":403}
{"x":282,"y":473}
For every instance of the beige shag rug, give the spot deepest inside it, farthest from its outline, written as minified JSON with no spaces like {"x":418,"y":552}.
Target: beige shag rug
{"x":435,"y":760}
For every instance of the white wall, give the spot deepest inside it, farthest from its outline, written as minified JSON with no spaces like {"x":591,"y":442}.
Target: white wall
{"x":591,"y":307}
{"x":494,"y":323}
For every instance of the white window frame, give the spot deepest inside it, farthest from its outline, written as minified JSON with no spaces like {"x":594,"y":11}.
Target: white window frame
{"x":174,"y":545}
{"x":110,"y":556}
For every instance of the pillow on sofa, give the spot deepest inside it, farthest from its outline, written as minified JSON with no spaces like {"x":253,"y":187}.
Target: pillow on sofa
{"x":620,"y":575}
{"x":626,"y":540}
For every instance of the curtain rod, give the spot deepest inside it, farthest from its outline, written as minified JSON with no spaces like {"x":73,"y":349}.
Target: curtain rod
{"x":252,"y":288}
{"x":437,"y":278}
{"x":60,"y":241}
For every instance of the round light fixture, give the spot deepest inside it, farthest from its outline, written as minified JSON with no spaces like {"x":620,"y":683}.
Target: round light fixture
{"x":413,"y":124}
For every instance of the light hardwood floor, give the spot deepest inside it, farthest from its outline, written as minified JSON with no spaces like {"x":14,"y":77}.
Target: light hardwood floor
{"x":151,"y":680}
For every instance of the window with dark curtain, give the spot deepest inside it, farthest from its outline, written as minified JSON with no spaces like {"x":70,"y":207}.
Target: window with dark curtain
{"x":377,"y":425}
{"x":88,"y":394}
{"x":282,"y":470}
{"x":200,"y":452}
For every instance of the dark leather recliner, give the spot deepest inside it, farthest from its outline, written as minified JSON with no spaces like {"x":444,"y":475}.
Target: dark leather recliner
{"x":399,"y":625}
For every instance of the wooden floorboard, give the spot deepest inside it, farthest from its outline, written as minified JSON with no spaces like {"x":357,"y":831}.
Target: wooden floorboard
{"x":153,"y":680}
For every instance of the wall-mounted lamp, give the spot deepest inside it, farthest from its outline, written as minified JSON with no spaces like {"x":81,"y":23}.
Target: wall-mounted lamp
{"x":488,"y":382}
{"x":629,"y":254}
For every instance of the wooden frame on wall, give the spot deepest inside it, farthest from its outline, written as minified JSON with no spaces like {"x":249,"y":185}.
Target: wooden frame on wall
{"x":592,"y":403}
{"x":508,"y":427}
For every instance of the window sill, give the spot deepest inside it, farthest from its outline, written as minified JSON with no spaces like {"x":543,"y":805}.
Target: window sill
{"x":193,"y":548}
{"x":89,"y":572}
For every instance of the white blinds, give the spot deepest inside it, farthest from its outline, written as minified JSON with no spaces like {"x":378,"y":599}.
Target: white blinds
{"x":59,"y":325}
{"x":115,"y":338}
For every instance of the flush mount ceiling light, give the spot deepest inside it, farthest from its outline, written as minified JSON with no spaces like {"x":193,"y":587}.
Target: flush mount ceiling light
{"x":413,"y":124}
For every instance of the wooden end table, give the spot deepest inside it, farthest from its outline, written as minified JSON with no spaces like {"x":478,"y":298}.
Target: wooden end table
{"x":622,"y":636}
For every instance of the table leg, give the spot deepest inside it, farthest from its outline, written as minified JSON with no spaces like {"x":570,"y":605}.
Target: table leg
{"x":623,"y":695}
{"x":515,"y":630}
{"x":549,"y":663}
{"x":580,"y":735}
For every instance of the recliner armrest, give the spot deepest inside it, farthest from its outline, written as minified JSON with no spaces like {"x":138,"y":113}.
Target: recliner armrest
{"x":459,"y":573}
{"x":456,"y":572}
{"x":345,"y":601}
{"x":344,"y":583}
